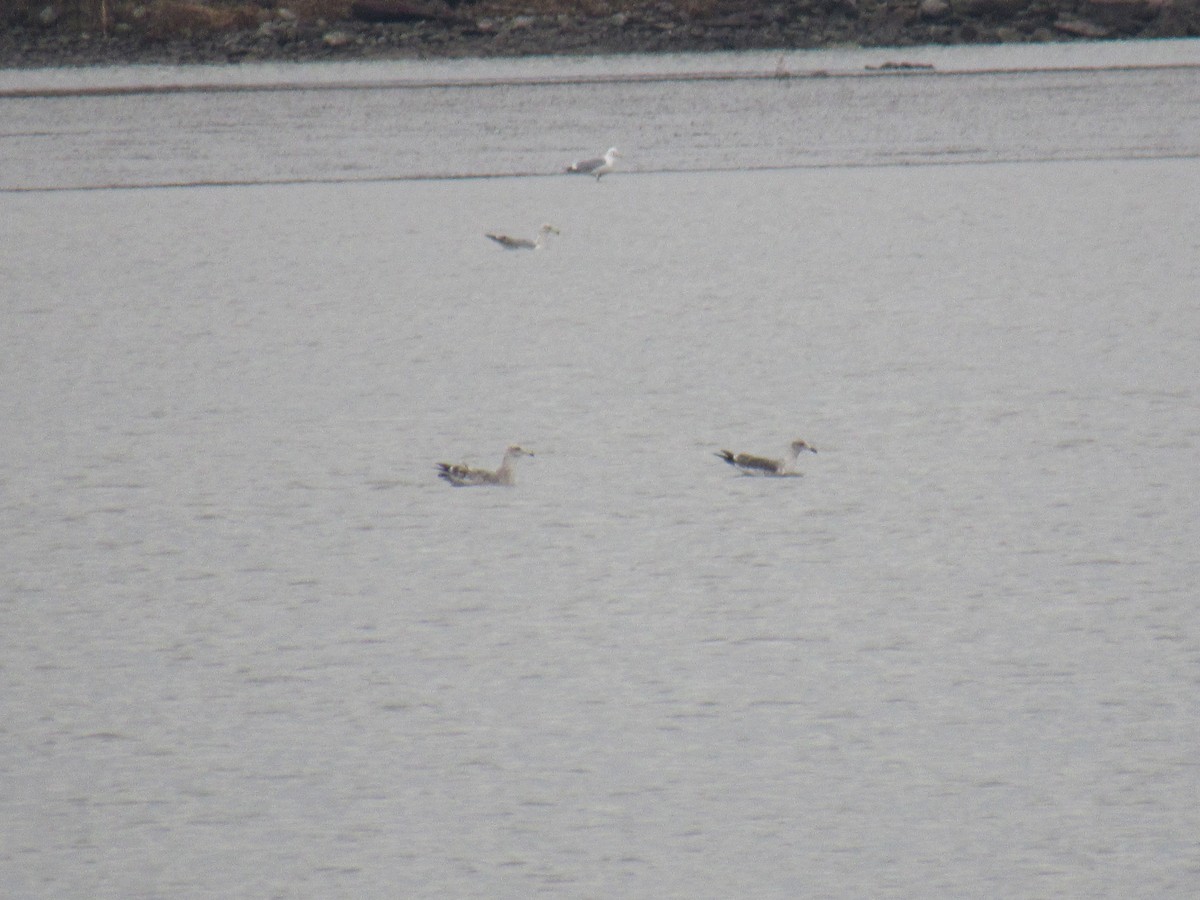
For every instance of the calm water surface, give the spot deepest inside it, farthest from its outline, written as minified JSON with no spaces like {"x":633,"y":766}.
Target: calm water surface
{"x":252,"y":647}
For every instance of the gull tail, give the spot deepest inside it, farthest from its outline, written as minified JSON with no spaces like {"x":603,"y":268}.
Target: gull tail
{"x":452,"y":472}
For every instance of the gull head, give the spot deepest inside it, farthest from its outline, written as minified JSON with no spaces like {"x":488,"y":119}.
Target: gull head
{"x":798,"y":445}
{"x":515,"y":451}
{"x":549,"y":229}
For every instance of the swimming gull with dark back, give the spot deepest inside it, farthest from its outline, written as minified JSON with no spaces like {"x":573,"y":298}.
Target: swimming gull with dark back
{"x":512,"y":243}
{"x":761,"y":465}
{"x":462,"y":475}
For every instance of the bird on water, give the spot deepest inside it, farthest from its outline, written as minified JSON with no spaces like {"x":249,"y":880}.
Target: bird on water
{"x":760,"y":465}
{"x":513,"y":243}
{"x":462,"y":475}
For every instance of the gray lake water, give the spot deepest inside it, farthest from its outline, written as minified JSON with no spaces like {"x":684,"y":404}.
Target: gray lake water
{"x":252,"y":647}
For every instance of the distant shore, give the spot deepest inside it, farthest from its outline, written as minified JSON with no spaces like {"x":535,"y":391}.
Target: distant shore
{"x":42,"y":33}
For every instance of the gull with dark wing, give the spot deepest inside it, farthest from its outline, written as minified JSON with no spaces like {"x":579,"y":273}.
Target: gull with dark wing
{"x":462,"y":475}
{"x":761,"y":465}
{"x":601,"y":165}
{"x":512,"y":243}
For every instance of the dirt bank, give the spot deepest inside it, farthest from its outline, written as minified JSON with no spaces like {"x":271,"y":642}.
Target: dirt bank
{"x":92,"y":32}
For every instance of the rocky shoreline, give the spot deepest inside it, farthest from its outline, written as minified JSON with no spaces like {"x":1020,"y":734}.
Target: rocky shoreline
{"x":430,"y":29}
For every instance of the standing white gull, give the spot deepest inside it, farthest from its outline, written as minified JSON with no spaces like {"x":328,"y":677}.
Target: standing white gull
{"x":760,"y":465}
{"x":462,"y":475}
{"x":601,"y":165}
{"x":512,"y":243}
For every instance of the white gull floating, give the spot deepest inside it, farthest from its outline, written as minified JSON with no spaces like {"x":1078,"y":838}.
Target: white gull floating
{"x":512,"y":243}
{"x":462,"y":475}
{"x":761,"y":465}
{"x":601,"y":165}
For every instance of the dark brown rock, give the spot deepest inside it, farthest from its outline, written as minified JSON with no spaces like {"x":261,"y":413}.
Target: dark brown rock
{"x":401,"y":11}
{"x":1080,"y":28}
{"x":994,"y":9}
{"x":934,"y":9}
{"x":1121,"y":12}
